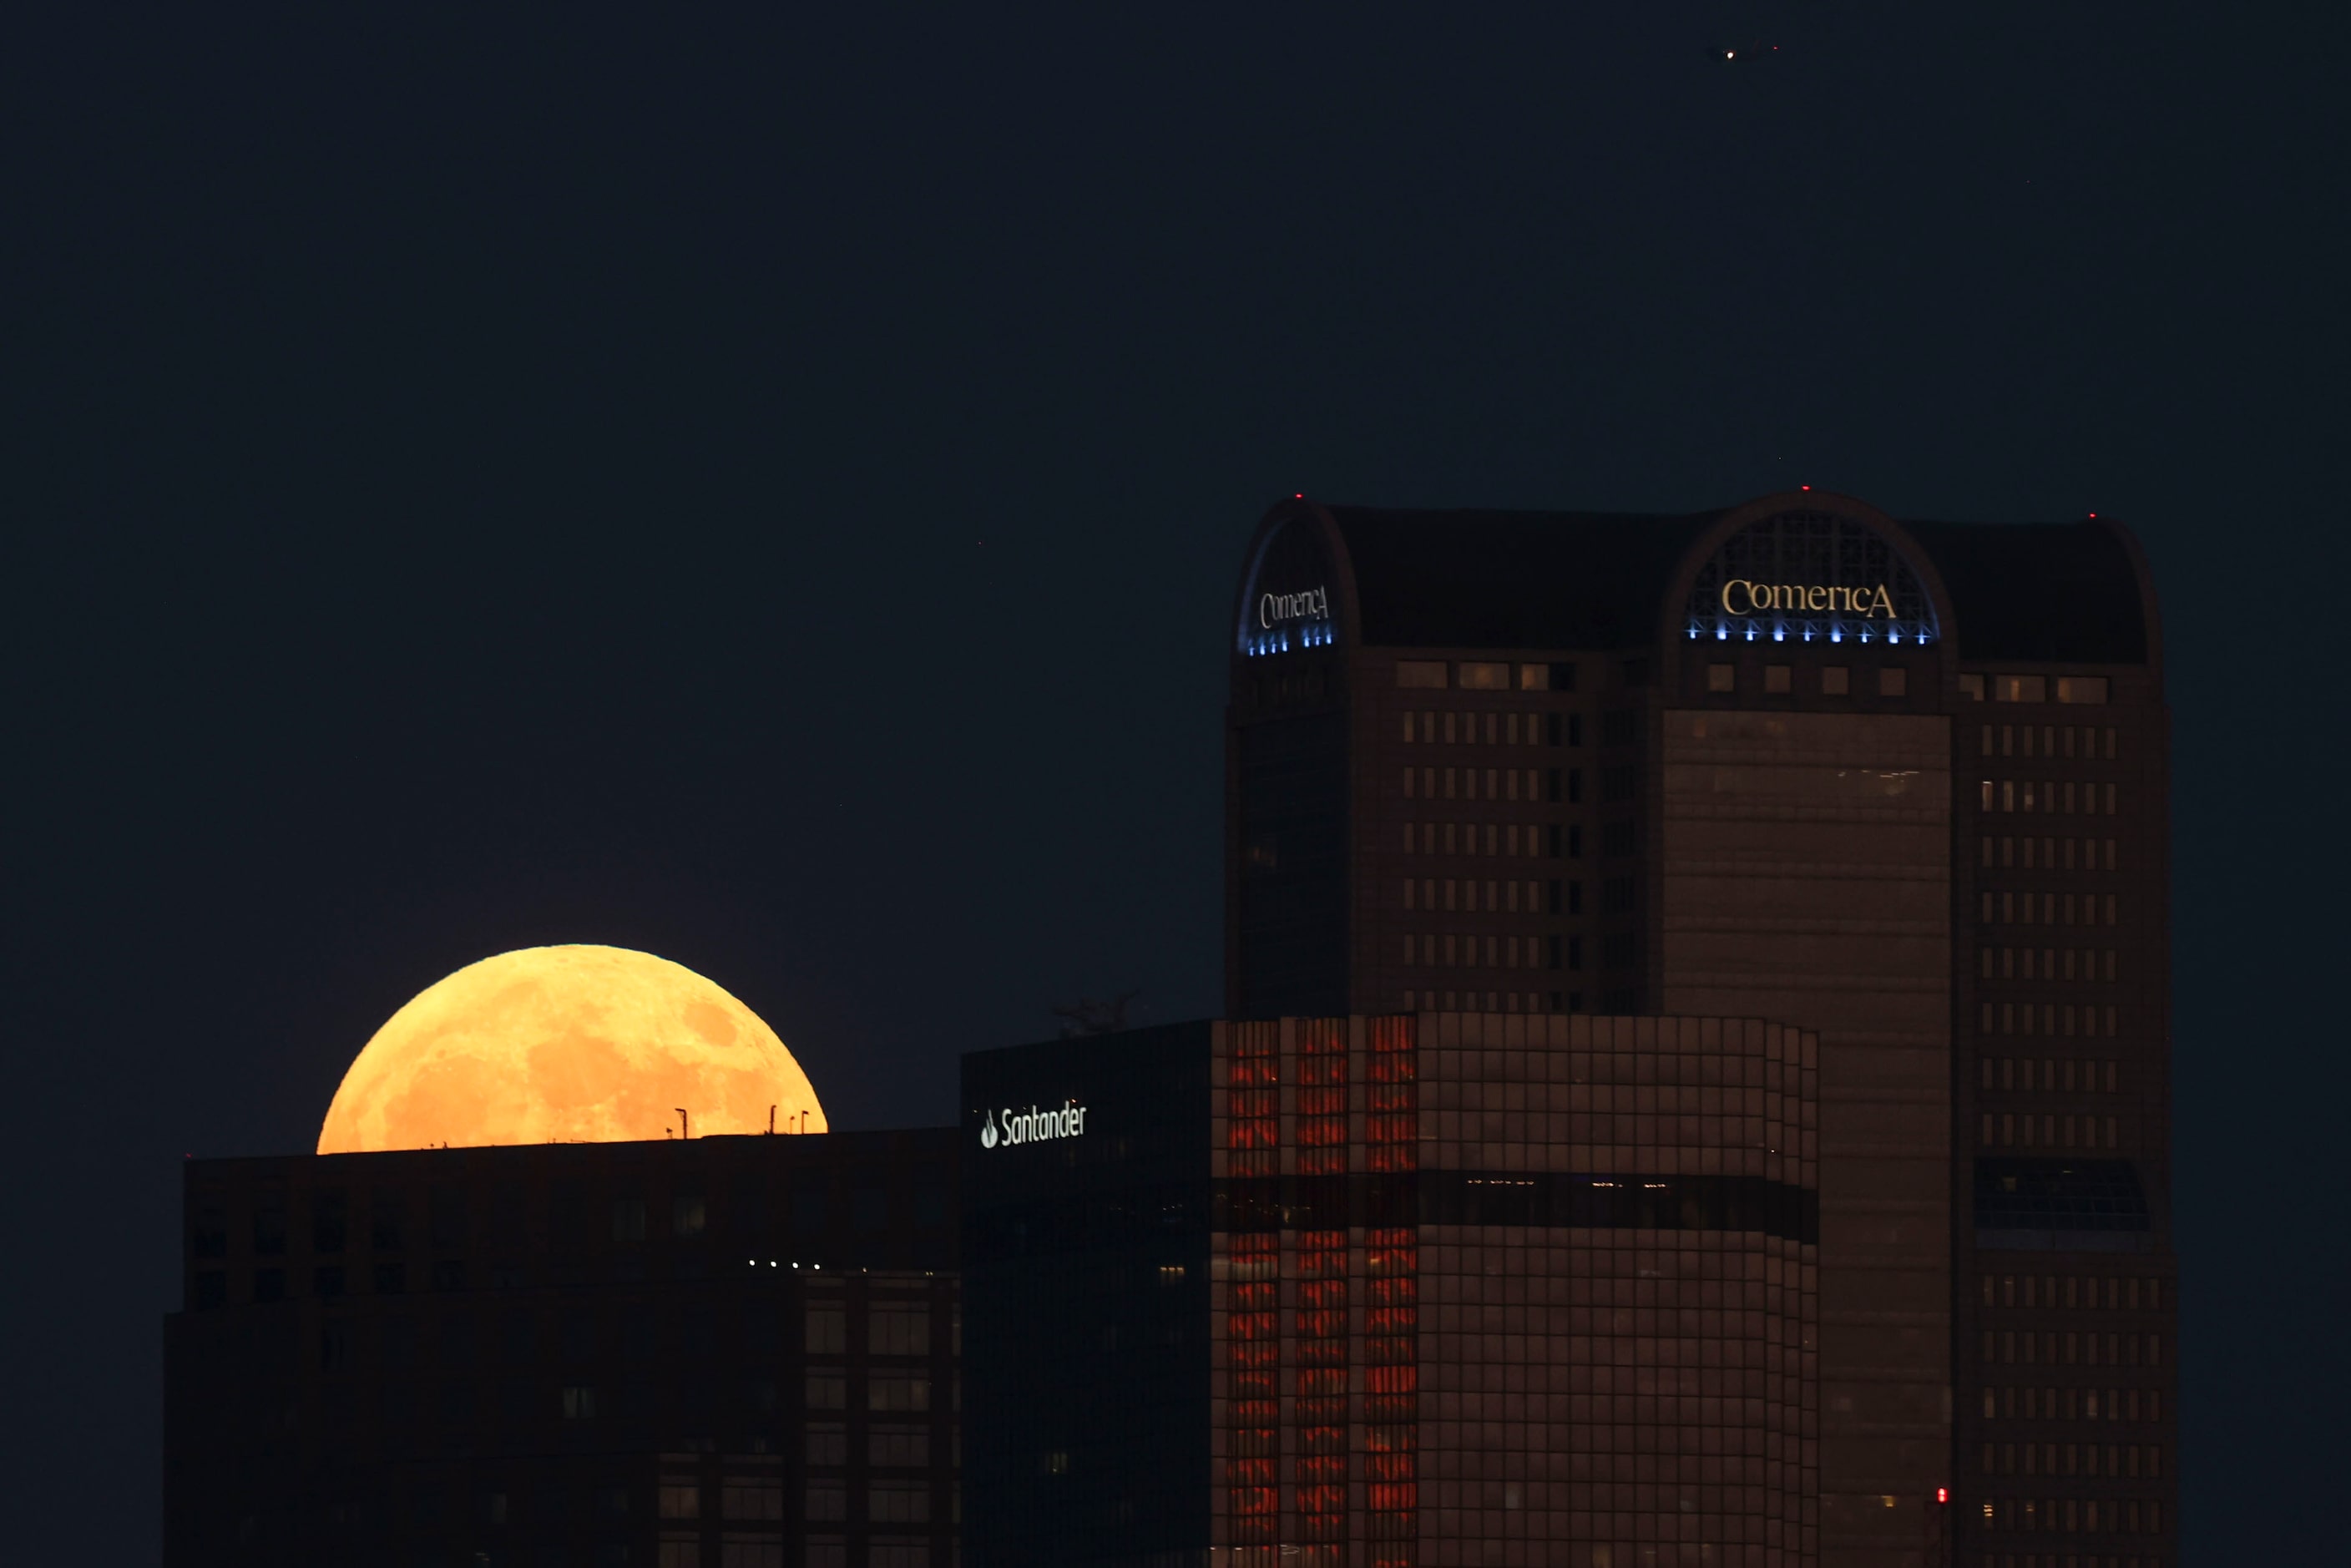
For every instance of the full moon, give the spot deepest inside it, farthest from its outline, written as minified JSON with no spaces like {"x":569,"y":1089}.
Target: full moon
{"x":573,"y":1044}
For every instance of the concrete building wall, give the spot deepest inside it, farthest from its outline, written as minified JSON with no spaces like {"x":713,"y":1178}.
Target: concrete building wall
{"x":1806,"y":875}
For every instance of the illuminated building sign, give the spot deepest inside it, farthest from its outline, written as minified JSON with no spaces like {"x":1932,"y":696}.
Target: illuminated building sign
{"x":1807,"y":577}
{"x":1741,"y":597}
{"x":1032,"y":1125}
{"x":1287,"y":606}
{"x":1273,"y":609}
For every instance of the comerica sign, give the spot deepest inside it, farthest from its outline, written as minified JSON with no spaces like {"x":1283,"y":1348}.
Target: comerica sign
{"x":1034,"y":1127}
{"x":1741,"y":597}
{"x":1273,"y":609}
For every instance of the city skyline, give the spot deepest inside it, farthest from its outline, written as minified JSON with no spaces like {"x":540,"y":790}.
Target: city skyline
{"x":769,"y":493}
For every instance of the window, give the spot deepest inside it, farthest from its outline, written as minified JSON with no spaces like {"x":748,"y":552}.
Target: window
{"x":1971,"y":689}
{"x":208,"y":1231}
{"x":898,"y":1554}
{"x":387,"y":1222}
{"x":447,"y":1212}
{"x":1836,"y":681}
{"x":2081,"y":688}
{"x":898,"y":1447}
{"x":681,"y":1499}
{"x":898,"y":1502}
{"x":826,"y":1551}
{"x":578,"y":1402}
{"x":1534,"y":677}
{"x":827,"y":1331}
{"x":828,"y":1443}
{"x":1778,"y":677}
{"x":1485,"y":677}
{"x":269,"y":1221}
{"x":827,"y":1391}
{"x":679,"y":1552}
{"x":754,"y":1497}
{"x":1892,"y":682}
{"x":628,"y":1219}
{"x":2020,"y":688}
{"x":829,"y":1499}
{"x":897,"y":1391}
{"x":327,"y":1220}
{"x":1721,"y":677}
{"x":1420,"y":672}
{"x":688,"y":1215}
{"x":750,"y":1554}
{"x":899,"y":1329}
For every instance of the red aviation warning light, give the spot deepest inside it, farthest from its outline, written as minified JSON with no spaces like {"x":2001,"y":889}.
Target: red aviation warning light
{"x":1942,"y":1494}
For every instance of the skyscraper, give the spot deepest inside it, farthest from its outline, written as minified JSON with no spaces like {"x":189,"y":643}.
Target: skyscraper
{"x":1373,"y":1293}
{"x":1900,"y":785}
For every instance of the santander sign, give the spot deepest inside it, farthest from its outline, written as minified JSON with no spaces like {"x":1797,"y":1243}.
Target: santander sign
{"x":1032,"y":1125}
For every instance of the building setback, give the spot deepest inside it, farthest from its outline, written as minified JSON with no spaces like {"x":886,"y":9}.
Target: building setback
{"x":1898,"y":785}
{"x":739,"y":1352}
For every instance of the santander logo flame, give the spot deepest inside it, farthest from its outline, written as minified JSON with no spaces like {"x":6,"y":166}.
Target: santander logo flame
{"x":987,"y":1132}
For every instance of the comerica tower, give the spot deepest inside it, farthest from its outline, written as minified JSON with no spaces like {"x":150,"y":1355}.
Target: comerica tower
{"x":1694,"y":1080}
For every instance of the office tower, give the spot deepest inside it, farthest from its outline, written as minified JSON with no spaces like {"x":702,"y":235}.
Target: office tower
{"x":1898,"y":785}
{"x":1397,"y":1291}
{"x":730,"y":1351}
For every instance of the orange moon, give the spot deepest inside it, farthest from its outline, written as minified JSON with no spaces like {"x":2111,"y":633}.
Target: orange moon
{"x":574,"y":1044}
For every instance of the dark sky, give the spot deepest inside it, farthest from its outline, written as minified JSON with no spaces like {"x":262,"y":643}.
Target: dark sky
{"x":766,"y":490}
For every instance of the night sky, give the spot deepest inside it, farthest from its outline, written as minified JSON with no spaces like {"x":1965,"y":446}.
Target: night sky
{"x":768,"y":491}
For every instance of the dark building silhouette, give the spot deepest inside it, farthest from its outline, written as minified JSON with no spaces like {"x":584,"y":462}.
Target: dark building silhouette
{"x":726,"y":1351}
{"x":1903,"y":784}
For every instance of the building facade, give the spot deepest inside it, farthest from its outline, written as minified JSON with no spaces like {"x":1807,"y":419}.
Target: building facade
{"x":1372,"y":1292}
{"x":722,"y":1353}
{"x":1899,"y":785}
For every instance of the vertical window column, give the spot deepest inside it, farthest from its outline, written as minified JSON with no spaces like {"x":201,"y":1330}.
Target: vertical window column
{"x":1392,"y":1295}
{"x":1253,"y":1345}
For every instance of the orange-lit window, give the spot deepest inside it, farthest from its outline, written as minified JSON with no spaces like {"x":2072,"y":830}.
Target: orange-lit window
{"x":1322,"y":1097}
{"x":1391,"y":1101}
{"x":1391,"y":1399}
{"x":1320,"y":1321}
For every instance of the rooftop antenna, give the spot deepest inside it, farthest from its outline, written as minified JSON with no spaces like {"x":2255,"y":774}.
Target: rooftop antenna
{"x":1088,"y":1016}
{"x":771,"y":1121}
{"x":684,"y":1126}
